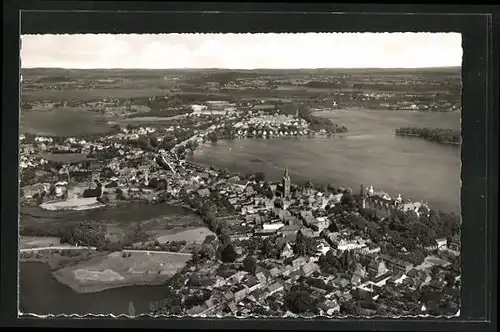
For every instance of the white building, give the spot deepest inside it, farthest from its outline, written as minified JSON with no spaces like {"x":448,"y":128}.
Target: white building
{"x":350,"y":245}
{"x":274,"y":226}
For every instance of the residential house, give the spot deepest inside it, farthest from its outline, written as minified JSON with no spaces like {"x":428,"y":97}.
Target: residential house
{"x":307,"y":232}
{"x":203,"y":192}
{"x":298,"y":262}
{"x":371,"y":248}
{"x":273,"y":226}
{"x":356,"y":280}
{"x":289,"y":229}
{"x":260,"y":294}
{"x":240,"y":294}
{"x":321,"y":223}
{"x":309,"y":268}
{"x":342,"y":282}
{"x":275,"y":287}
{"x":228,"y":296}
{"x":274,"y":272}
{"x":357,"y":244}
{"x":285,"y":272}
{"x":317,"y":290}
{"x":323,"y":247}
{"x":232,"y":307}
{"x":252,"y":284}
{"x":455,"y":243}
{"x":261,"y":277}
{"x":441,"y":243}
{"x":397,"y":264}
{"x":237,"y":277}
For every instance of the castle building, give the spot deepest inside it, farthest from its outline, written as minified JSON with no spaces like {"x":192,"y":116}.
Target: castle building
{"x":286,"y":184}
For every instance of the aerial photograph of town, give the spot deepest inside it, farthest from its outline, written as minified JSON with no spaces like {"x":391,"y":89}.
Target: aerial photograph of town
{"x":242,"y":175}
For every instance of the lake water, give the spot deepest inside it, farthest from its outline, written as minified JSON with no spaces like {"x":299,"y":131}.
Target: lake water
{"x":370,"y":154}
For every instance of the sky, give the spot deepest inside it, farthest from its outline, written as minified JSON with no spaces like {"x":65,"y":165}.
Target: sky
{"x":242,"y":51}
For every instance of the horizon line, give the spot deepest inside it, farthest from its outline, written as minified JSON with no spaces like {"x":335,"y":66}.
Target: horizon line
{"x":263,"y":68}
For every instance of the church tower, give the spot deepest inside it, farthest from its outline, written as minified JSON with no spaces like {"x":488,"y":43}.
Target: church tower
{"x":286,"y":184}
{"x":362,"y":191}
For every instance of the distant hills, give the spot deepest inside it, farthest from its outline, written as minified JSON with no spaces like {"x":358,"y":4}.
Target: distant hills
{"x":263,"y":71}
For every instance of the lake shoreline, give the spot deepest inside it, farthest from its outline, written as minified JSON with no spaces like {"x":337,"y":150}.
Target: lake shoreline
{"x":429,"y":140}
{"x":360,"y":156}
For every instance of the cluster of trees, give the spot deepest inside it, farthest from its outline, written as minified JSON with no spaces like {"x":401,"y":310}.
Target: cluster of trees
{"x":299,"y":300}
{"x":222,"y":133}
{"x":250,"y":264}
{"x":319,"y":123}
{"x":173,"y":246}
{"x":104,"y":154}
{"x":213,"y":136}
{"x":398,"y":230}
{"x":319,"y":283}
{"x":170,"y":305}
{"x":325,"y":85}
{"x":198,"y":280}
{"x":197,"y":298}
{"x":207,"y":251}
{"x":415,"y":230}
{"x":447,"y":136}
{"x":119,"y":194}
{"x":331,"y":263}
{"x":305,"y":246}
{"x":28,"y":177}
{"x":87,"y":233}
{"x":97,"y":192}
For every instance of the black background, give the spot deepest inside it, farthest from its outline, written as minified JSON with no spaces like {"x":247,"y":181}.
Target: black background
{"x":480,"y":37}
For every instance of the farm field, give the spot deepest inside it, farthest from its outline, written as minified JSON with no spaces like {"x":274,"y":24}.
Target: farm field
{"x":114,"y":270}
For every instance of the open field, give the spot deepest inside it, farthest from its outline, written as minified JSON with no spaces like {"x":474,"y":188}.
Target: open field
{"x":194,"y":235}
{"x":75,"y":204}
{"x":114,"y":270}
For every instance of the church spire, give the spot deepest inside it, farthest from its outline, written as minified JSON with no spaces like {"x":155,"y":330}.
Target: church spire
{"x":286,"y":173}
{"x":286,"y":184}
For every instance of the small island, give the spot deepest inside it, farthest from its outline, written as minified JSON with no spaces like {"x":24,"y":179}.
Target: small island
{"x":445,"y":136}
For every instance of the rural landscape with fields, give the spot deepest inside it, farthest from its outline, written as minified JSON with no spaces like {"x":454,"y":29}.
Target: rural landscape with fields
{"x":240,"y":192}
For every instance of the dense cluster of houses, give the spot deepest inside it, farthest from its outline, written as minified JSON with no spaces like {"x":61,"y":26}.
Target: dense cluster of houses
{"x":271,"y":126}
{"x":260,"y":209}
